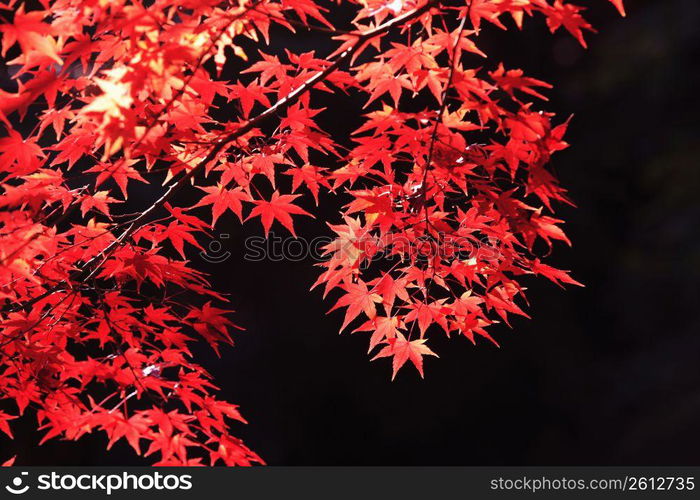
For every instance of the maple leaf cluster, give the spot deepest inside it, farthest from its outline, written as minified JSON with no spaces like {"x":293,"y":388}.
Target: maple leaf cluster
{"x":100,"y":304}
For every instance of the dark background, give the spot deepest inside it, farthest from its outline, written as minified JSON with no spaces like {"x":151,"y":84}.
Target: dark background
{"x":606,"y":374}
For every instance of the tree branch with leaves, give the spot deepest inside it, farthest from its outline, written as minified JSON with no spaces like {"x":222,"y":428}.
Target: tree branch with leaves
{"x":449,"y":196}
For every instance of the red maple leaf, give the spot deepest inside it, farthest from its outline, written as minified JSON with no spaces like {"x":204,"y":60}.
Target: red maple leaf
{"x":403,"y":350}
{"x":279,"y":208}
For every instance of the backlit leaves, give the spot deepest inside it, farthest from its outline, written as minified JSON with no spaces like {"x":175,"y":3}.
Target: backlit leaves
{"x":126,"y":136}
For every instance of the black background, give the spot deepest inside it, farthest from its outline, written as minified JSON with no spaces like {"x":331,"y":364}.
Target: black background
{"x":606,"y":374}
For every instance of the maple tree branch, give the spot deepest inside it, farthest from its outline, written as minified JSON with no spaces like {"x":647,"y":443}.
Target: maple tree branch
{"x":89,"y":269}
{"x":454,"y":60}
{"x":254,"y":122}
{"x":443,"y":98}
{"x":450,"y":219}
